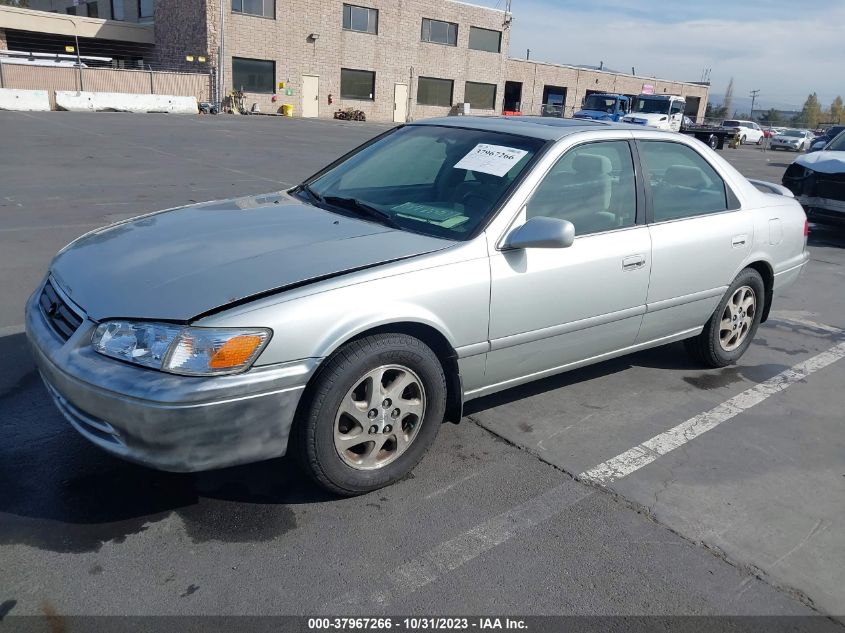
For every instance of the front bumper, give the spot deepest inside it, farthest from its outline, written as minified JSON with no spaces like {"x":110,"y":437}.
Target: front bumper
{"x":169,"y":422}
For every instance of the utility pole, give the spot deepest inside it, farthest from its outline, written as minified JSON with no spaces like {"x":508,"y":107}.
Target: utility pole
{"x":220,"y":56}
{"x":528,"y":54}
{"x":754,"y":94}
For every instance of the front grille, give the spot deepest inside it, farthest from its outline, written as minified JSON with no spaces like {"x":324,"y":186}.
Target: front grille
{"x":61,"y":317}
{"x":831,"y":186}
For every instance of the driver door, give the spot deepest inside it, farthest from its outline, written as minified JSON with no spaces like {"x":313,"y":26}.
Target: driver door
{"x":554,"y":307}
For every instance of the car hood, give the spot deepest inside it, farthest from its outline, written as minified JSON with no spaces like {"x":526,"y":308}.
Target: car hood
{"x":177,"y":264}
{"x":823,"y":162}
{"x":591,"y":114}
{"x":650,"y":117}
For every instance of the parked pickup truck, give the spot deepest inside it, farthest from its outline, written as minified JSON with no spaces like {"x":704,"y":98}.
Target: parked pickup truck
{"x":604,"y":107}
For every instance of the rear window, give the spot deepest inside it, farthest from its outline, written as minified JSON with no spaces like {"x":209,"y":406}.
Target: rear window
{"x":731,"y":124}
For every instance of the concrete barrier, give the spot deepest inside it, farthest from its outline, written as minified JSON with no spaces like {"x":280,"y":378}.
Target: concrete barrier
{"x":24,"y":100}
{"x":123,"y":102}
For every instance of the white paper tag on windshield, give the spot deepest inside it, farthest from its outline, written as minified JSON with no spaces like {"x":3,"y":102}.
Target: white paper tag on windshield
{"x":491,"y":159}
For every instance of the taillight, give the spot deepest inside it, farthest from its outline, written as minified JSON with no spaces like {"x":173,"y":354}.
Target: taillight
{"x":806,"y":227}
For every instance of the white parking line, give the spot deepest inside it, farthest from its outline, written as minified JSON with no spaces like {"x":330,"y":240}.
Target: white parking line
{"x":430,"y":566}
{"x":642,"y":455}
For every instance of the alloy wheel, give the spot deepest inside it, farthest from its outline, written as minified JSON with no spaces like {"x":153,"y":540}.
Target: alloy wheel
{"x":738,"y":318}
{"x":379,"y":417}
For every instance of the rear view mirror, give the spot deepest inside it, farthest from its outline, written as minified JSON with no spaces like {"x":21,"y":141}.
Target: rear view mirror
{"x":541,"y":232}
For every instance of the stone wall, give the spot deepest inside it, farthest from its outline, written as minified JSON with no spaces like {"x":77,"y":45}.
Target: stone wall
{"x":181,"y":29}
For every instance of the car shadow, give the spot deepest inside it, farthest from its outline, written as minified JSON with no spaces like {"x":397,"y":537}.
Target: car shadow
{"x":61,"y":493}
{"x":670,"y":357}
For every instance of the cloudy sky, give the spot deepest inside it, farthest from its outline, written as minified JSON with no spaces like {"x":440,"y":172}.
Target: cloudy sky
{"x":785,"y":48}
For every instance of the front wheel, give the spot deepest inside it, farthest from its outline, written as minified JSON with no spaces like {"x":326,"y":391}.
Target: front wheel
{"x":731,"y":328}
{"x":742,"y":140}
{"x":760,"y":141}
{"x":374,"y":410}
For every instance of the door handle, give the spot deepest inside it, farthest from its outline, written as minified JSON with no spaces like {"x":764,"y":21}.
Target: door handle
{"x":633,"y":262}
{"x":739,"y":240}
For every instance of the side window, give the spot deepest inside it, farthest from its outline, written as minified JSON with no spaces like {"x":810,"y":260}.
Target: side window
{"x":683,"y":184}
{"x":592,"y":186}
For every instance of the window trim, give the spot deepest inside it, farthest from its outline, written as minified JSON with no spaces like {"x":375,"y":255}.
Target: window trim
{"x":731,"y":201}
{"x":436,"y":105}
{"x":484,"y":50}
{"x":359,"y":70}
{"x":232,"y":11}
{"x":429,"y":41}
{"x":358,"y":6}
{"x":254,"y":59}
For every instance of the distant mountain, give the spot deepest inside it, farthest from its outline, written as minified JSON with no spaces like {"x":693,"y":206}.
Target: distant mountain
{"x":743,"y":104}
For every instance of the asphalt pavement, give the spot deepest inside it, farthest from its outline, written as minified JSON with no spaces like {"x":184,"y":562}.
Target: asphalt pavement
{"x":743,"y":516}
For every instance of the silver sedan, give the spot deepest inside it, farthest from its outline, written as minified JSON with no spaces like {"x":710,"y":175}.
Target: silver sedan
{"x":345,"y":319}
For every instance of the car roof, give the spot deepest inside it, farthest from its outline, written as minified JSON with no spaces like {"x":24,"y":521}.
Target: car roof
{"x":545,"y":128}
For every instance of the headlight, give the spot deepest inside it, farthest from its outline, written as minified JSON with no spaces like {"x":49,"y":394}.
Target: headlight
{"x":193,"y":351}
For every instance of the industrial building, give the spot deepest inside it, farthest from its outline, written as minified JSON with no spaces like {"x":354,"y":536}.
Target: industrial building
{"x":395,"y":61}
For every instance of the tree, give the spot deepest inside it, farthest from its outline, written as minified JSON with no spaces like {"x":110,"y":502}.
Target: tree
{"x":772,"y":117}
{"x":15,"y":3}
{"x":729,"y":98}
{"x":713,"y":112}
{"x":810,"y":114}
{"x":837,"y":112}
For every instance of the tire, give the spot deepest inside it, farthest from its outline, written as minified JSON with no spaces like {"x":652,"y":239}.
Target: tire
{"x":713,"y":141}
{"x":760,"y":141}
{"x":325,"y":436}
{"x":742,"y":140}
{"x":714,"y":349}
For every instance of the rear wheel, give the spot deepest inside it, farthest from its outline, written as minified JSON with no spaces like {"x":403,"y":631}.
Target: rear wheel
{"x":375,"y":408}
{"x":713,"y":141}
{"x":742,"y":140}
{"x":731,"y":328}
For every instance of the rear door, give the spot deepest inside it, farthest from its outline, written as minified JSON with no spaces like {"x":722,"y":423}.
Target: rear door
{"x":699,"y":237}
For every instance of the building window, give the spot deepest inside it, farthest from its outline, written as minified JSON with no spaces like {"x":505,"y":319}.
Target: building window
{"x":253,"y":75}
{"x":263,"y":8}
{"x":485,"y":40}
{"x":439,"y":32}
{"x":436,"y":92}
{"x":480,"y":96}
{"x":117,"y":10}
{"x":146,"y":8}
{"x":93,"y":9}
{"x":360,"y":19}
{"x":357,"y":84}
{"x":71,"y":11}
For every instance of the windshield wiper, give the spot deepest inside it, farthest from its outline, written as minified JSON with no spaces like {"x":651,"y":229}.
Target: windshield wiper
{"x":316,"y":197}
{"x":362,"y":209}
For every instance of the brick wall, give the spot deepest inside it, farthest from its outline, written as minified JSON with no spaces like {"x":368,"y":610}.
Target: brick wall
{"x":396,"y":53}
{"x":534,"y":76}
{"x":180,"y":30}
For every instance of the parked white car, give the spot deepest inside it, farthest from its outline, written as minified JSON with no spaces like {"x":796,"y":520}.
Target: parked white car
{"x":793,"y":140}
{"x":749,"y":132}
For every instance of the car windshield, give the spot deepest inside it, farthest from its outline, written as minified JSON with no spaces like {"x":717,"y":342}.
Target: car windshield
{"x":437,"y":180}
{"x":837,"y":144}
{"x":652,"y":106}
{"x":797,"y":133}
{"x":596,"y":102}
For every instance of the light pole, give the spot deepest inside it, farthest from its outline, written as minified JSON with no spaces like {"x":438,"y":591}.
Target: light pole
{"x":754,"y":94}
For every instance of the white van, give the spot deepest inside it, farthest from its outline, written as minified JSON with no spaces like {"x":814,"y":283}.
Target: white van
{"x":664,"y":112}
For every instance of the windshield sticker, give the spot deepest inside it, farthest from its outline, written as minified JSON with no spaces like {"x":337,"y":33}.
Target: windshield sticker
{"x":496,"y":160}
{"x":446,"y":218}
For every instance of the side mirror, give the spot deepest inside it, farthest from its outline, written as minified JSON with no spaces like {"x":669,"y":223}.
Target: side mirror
{"x":542,"y":232}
